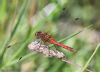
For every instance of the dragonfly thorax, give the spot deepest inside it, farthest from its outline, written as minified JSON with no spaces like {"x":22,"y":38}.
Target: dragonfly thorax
{"x":43,"y":36}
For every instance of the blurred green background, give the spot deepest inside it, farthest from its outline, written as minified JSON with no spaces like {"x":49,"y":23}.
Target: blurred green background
{"x":20,"y":19}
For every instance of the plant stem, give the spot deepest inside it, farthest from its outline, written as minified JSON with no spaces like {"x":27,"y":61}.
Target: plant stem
{"x":86,"y":65}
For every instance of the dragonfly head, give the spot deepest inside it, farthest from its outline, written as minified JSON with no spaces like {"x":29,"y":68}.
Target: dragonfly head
{"x":37,"y":34}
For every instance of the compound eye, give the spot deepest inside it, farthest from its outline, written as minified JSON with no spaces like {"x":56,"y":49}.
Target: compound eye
{"x":39,"y":32}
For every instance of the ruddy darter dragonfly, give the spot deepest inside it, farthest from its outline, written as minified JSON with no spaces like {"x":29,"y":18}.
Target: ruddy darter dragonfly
{"x":48,"y":38}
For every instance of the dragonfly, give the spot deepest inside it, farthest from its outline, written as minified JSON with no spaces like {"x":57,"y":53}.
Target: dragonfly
{"x":45,"y":37}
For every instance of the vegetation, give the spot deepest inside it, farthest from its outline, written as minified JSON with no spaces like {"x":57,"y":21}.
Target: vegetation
{"x":72,"y":22}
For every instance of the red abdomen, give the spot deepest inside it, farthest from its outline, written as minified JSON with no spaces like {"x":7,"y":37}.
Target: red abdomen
{"x":62,"y":45}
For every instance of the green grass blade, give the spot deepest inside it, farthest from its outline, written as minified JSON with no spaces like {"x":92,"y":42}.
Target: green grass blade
{"x":22,"y":10}
{"x":13,"y":32}
{"x":17,"y":60}
{"x":72,"y":35}
{"x":87,"y":63}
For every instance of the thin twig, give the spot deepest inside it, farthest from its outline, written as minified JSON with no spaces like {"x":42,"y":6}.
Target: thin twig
{"x":86,"y":65}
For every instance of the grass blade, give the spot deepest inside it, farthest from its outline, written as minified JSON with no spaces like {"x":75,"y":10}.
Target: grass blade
{"x":13,"y":32}
{"x":72,"y":35}
{"x":86,"y":65}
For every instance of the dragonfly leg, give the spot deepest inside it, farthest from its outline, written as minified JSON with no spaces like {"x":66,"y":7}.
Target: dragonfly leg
{"x":46,"y":46}
{"x":38,"y":41}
